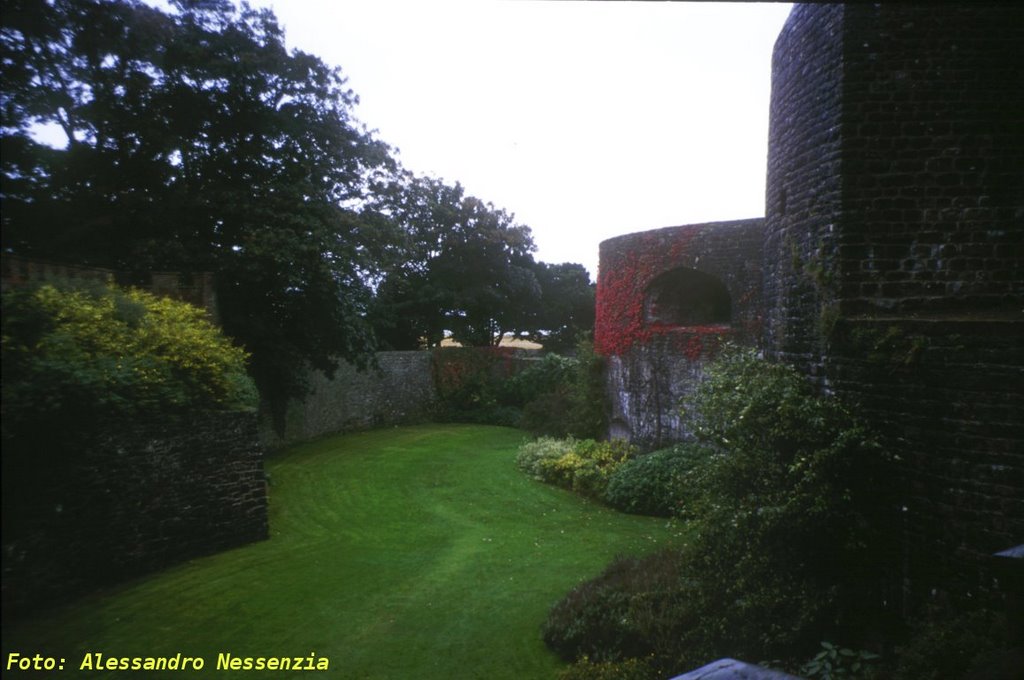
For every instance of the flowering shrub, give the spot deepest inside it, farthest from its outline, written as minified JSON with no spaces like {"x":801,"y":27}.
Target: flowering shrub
{"x":583,"y":466}
{"x":90,"y":351}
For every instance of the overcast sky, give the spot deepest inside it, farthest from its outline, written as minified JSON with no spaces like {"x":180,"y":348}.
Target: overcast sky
{"x":586,"y":119}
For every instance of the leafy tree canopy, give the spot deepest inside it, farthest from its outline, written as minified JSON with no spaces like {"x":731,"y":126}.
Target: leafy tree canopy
{"x":567,"y":305}
{"x":461,"y":266}
{"x":195,"y":141}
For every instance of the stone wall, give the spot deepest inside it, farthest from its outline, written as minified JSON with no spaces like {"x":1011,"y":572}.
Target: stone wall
{"x":666,"y":300}
{"x":932,"y":161}
{"x":401,"y":390}
{"x":803,"y":184}
{"x":196,"y":288}
{"x":135,"y":499}
{"x":894,"y":257}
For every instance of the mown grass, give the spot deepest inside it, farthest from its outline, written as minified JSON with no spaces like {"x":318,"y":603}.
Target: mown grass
{"x":413,"y":552}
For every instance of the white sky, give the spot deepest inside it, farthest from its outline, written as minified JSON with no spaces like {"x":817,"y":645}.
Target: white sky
{"x":586,"y":119}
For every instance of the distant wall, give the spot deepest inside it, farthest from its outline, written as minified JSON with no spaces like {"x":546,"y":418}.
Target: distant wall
{"x":196,"y":288}
{"x":666,"y":300}
{"x":137,"y":498}
{"x":401,"y":390}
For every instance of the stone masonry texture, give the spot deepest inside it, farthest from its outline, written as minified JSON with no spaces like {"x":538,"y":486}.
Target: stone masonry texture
{"x":891,"y":265}
{"x":894,"y":257}
{"x":135,"y":499}
{"x":653,"y":362}
{"x":399,"y":391}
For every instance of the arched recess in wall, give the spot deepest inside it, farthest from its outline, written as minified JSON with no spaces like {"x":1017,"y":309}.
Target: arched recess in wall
{"x":687,"y":297}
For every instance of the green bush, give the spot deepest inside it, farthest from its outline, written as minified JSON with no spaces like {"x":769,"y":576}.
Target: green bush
{"x":634,"y":609}
{"x":563,"y":396}
{"x":584,"y":465}
{"x":790,"y":519}
{"x":630,"y":669}
{"x":834,"y":662}
{"x":468,"y":382}
{"x":536,"y":456}
{"x":555,"y":396}
{"x":73,"y":353}
{"x":654,"y":483}
{"x":546,"y":375}
{"x":792,"y":510}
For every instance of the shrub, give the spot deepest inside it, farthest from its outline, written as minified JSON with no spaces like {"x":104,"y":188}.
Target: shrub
{"x":533,"y":457}
{"x":596,"y":463}
{"x":584,"y":466}
{"x":73,"y":353}
{"x":588,"y":402}
{"x":789,"y":516}
{"x":563,"y":396}
{"x":468,"y":381}
{"x":654,"y":483}
{"x":964,"y":642}
{"x":839,"y":662}
{"x":556,"y":396}
{"x":630,"y":669}
{"x":544,"y":376}
{"x":792,"y":510}
{"x":636,"y":608}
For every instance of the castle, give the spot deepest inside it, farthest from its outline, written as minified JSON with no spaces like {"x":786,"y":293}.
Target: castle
{"x":889,"y":269}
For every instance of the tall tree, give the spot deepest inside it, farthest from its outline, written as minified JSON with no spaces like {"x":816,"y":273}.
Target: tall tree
{"x":460,"y":265}
{"x":566,"y":309}
{"x":195,"y":141}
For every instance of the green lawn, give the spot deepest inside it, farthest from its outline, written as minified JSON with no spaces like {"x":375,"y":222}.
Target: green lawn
{"x":417,"y":552}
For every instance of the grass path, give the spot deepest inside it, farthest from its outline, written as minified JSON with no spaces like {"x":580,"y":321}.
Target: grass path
{"x":416,"y":552}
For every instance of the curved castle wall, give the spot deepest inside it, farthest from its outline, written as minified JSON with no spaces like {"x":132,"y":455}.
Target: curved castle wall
{"x":894,"y":261}
{"x":666,"y":299}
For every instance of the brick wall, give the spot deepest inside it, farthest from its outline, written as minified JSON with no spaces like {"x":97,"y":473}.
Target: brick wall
{"x":803,"y":185}
{"x":895,"y":224}
{"x":933,"y":161}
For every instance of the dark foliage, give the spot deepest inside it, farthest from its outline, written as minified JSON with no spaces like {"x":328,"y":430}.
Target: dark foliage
{"x":632,"y":610}
{"x":654,"y":483}
{"x":195,"y":141}
{"x":565,"y":397}
{"x":790,"y":543}
{"x":457,"y":264}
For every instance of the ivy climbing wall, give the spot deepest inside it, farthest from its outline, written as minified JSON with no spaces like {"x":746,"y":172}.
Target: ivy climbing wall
{"x":666,"y":301}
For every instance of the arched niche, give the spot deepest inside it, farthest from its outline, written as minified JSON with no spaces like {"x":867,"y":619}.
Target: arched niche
{"x":687,"y":297}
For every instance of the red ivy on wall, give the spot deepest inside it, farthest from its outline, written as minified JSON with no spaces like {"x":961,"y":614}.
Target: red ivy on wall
{"x":623,"y":278}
